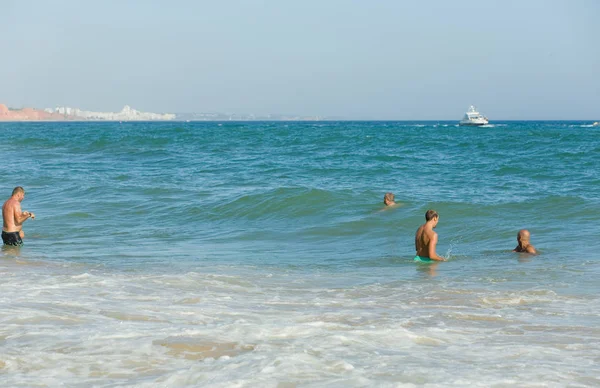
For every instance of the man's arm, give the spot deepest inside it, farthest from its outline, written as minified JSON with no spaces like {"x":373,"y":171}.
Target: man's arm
{"x":20,"y":216}
{"x":416,"y":243}
{"x":432,"y":245}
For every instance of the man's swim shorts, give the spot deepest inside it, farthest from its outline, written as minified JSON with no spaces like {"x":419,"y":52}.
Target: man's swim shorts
{"x":11,"y":238}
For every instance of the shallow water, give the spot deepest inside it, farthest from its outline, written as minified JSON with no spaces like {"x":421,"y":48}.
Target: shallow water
{"x":259,"y":254}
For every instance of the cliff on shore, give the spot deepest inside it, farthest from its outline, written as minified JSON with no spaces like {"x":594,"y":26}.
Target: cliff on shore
{"x":30,"y":114}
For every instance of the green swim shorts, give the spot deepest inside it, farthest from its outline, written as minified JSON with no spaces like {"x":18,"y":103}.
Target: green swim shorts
{"x":421,"y":259}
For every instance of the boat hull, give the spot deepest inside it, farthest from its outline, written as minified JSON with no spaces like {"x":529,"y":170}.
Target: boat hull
{"x":472,"y":124}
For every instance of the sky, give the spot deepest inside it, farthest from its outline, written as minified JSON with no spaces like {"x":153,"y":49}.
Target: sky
{"x":351,"y":59}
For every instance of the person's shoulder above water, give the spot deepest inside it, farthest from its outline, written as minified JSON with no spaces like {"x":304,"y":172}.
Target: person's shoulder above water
{"x":524,"y":243}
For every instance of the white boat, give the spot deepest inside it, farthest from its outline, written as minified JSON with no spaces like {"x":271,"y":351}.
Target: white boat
{"x":473,"y":118}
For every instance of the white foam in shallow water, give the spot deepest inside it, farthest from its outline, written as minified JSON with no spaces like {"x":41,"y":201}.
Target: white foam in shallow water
{"x":74,"y":325}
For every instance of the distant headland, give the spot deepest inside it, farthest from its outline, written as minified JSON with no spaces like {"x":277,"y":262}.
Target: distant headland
{"x":75,"y":114}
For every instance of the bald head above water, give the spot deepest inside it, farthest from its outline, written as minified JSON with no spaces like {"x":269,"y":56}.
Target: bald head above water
{"x":523,"y":235}
{"x":524,"y":245}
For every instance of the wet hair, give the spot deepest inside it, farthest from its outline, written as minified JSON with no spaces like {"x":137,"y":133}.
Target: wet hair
{"x":389,"y":197}
{"x":18,"y":190}
{"x":430,"y":215}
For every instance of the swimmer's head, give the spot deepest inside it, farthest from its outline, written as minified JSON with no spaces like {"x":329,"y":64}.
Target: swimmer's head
{"x":430,"y":215}
{"x":388,"y":199}
{"x":19,"y":193}
{"x":18,"y":190}
{"x":523,"y":236}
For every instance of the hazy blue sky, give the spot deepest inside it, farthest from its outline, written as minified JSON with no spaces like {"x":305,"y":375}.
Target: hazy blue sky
{"x":386,"y":59}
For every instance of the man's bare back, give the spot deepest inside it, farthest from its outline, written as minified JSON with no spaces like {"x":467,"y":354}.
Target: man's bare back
{"x":426,"y":239}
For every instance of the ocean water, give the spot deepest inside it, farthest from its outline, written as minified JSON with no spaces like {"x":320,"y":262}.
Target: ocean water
{"x":260,"y":255}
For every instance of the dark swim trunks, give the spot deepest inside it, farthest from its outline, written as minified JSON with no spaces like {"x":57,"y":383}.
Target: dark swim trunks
{"x":11,"y":238}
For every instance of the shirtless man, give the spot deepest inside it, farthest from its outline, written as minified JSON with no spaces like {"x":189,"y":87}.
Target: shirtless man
{"x":426,"y":239}
{"x":523,"y":244}
{"x":13,"y":218}
{"x":388,"y":199}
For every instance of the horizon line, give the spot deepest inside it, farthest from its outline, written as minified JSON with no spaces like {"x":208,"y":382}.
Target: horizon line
{"x":300,"y":120}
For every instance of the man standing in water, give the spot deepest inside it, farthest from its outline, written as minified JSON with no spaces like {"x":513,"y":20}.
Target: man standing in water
{"x":426,"y":239}
{"x":13,"y":218}
{"x":523,"y":244}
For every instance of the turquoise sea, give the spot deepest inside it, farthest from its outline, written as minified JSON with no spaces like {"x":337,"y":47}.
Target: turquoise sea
{"x":259,"y":254}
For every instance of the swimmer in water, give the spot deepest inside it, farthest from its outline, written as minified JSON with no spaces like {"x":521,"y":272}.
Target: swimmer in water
{"x":523,"y":244}
{"x":388,"y":199}
{"x":426,"y":239}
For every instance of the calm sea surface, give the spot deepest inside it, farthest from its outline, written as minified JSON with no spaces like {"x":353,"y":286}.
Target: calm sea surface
{"x":260,"y":255}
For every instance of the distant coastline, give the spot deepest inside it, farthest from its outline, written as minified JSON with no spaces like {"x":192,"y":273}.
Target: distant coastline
{"x":59,"y":114}
{"x":75,"y":114}
{"x":66,"y":113}
{"x":129,"y":114}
